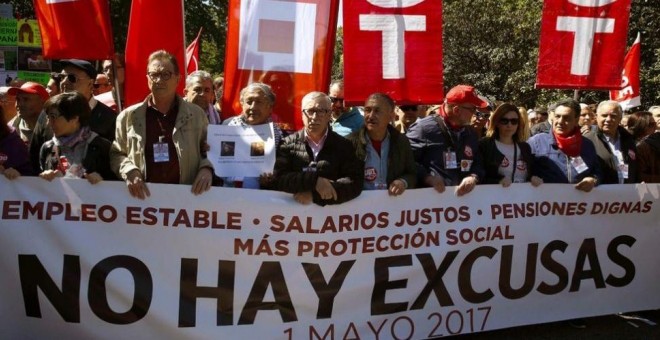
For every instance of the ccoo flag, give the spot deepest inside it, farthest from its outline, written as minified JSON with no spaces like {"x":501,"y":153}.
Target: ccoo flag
{"x":629,"y":95}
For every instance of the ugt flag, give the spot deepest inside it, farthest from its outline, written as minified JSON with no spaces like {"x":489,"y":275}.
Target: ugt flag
{"x":395,"y":47}
{"x":582,"y":43}
{"x":154,"y":25}
{"x":77,"y":29}
{"x":286,"y":44}
{"x":629,"y":93}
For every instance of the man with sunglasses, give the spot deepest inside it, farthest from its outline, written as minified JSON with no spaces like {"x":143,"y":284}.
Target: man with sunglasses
{"x":160,"y":140}
{"x":445,"y":146}
{"x":315,"y":164}
{"x":345,"y":120}
{"x":101,"y":84}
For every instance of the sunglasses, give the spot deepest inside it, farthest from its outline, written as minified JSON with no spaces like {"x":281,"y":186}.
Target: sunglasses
{"x":97,"y":85}
{"x":506,"y":121}
{"x":72,"y":78}
{"x":336,"y":99}
{"x":408,"y":107}
{"x":315,"y":112}
{"x":483,"y":115}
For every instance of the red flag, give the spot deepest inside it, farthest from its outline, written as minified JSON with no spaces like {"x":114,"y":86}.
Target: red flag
{"x":629,"y":94}
{"x":75,"y":29}
{"x":393,"y":47}
{"x":286,"y":44}
{"x":154,"y":25}
{"x":192,"y":54}
{"x":582,"y":43}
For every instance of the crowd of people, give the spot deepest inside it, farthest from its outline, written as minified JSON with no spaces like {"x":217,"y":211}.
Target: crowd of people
{"x":71,"y":128}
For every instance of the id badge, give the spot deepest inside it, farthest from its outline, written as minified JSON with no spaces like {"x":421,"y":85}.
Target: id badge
{"x":450,"y":160}
{"x":161,"y":153}
{"x":623,"y":170}
{"x":309,"y":169}
{"x":579,"y":165}
{"x":466,"y":164}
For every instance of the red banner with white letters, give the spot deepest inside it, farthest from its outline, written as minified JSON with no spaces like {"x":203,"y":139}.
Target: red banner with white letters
{"x":629,"y":94}
{"x":582,"y":43}
{"x":288,"y":45}
{"x":75,"y":29}
{"x":394,"y":47}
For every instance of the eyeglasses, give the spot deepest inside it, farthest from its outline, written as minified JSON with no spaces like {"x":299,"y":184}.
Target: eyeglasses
{"x":472,"y":109}
{"x":408,"y":107}
{"x":483,"y":115}
{"x":154,"y":76}
{"x":315,"y":112}
{"x":72,"y":78}
{"x":337,"y":99}
{"x":97,"y":85}
{"x":506,"y":121}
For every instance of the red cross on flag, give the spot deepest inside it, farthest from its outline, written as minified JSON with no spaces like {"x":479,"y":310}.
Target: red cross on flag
{"x":77,"y":29}
{"x":285,"y":44}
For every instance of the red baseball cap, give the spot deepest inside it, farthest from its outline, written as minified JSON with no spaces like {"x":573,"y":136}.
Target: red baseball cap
{"x":465,"y":94}
{"x":31,"y":88}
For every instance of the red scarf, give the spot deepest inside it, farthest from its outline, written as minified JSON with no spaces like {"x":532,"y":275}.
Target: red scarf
{"x":571,"y":144}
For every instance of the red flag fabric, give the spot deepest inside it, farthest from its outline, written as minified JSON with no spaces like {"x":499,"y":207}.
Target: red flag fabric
{"x":629,"y":95}
{"x":77,"y":29}
{"x":582,"y":43}
{"x":395,"y":47}
{"x":192,"y":54}
{"x":286,"y":44}
{"x":154,"y":25}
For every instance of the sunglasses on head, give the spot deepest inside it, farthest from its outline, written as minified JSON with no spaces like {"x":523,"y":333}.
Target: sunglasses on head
{"x":506,"y":121}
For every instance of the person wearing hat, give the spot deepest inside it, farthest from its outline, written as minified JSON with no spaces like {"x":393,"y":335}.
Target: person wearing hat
{"x":7,"y":103}
{"x":30,"y":99}
{"x":446,"y":147}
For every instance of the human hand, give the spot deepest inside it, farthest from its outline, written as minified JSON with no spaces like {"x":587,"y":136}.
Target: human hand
{"x":506,"y":182}
{"x":136,"y":185}
{"x":467,"y":184}
{"x":325,"y":189}
{"x":202,"y":182}
{"x":536,"y":181}
{"x":397,"y":187}
{"x":437,"y":182}
{"x":303,"y":197}
{"x":94,"y":178}
{"x":586,"y":184}
{"x":50,"y":175}
{"x":10,"y":173}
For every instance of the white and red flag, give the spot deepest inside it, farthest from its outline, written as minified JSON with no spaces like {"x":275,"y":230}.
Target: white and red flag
{"x":629,"y":94}
{"x":395,"y":47}
{"x":192,"y":54}
{"x":286,"y":44}
{"x":582,"y":43}
{"x":154,"y":25}
{"x":77,"y":29}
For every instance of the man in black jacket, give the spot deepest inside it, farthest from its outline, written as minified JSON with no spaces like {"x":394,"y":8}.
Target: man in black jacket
{"x":315,"y":164}
{"x":615,"y":147}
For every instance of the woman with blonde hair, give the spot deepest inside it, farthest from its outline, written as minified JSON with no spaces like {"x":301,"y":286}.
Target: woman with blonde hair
{"x":507,"y":157}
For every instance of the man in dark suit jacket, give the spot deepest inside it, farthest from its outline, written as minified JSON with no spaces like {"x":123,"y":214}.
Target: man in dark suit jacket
{"x":615,"y":147}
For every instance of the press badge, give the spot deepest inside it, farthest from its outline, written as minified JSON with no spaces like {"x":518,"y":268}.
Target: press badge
{"x":622,"y":166}
{"x":450,"y":160}
{"x":161,"y":151}
{"x":579,"y":165}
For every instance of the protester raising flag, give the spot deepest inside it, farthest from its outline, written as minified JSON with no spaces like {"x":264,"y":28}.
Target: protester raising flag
{"x":629,"y":94}
{"x":154,"y":25}
{"x":75,"y":29}
{"x":192,"y":54}
{"x":285,"y":44}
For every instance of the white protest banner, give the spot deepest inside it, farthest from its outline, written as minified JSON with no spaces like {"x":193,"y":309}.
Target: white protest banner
{"x":241,"y":151}
{"x":83,"y":263}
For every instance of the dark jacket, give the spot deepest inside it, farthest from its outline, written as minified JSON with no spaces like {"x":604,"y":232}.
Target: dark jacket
{"x":297,"y":171}
{"x":400,"y":160}
{"x":429,"y":143}
{"x":97,"y":158}
{"x":648,"y":156}
{"x":607,"y":160}
{"x":492,"y":158}
{"x":14,"y":154}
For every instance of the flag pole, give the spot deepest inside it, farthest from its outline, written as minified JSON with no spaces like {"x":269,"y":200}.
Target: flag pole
{"x":183,"y":20}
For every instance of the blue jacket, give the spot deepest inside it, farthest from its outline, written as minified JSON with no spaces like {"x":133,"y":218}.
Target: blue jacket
{"x":553,"y":166}
{"x":348,"y":122}
{"x":428,"y":143}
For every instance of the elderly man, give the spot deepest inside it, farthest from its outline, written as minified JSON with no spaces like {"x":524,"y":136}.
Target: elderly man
{"x":345,"y":120}
{"x":563,"y":155}
{"x":316,"y":164}
{"x":8,"y":103}
{"x":446,"y":147}
{"x":199,"y":91}
{"x":257,"y":102}
{"x":586,"y":120}
{"x":388,"y":160}
{"x":159,"y":140}
{"x":30,"y":99}
{"x":615,"y":146}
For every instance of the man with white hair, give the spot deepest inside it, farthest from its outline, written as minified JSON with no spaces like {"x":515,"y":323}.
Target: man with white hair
{"x":316,"y":164}
{"x":615,"y":146}
{"x":199,"y":91}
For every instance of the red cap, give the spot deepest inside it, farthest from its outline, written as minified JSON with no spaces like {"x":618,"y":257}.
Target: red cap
{"x":461,"y":94}
{"x":31,"y":88}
